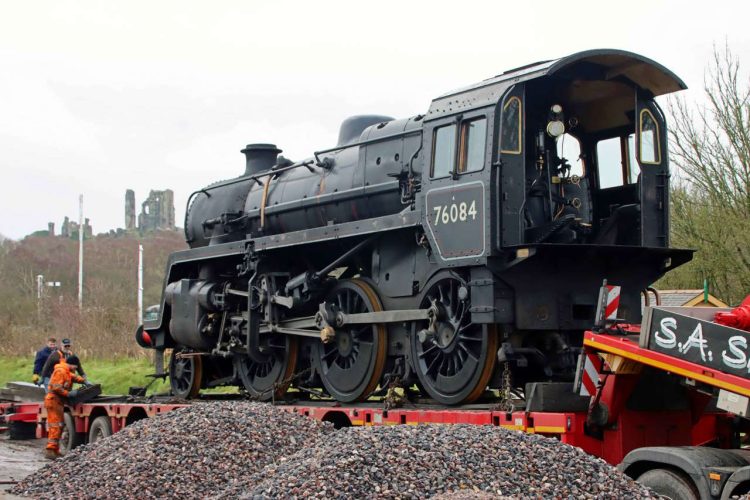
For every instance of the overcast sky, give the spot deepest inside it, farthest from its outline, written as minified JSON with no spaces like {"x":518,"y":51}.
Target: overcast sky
{"x":98,"y":97}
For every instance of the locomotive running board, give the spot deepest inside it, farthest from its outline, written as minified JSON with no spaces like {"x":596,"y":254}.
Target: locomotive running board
{"x":404,"y":219}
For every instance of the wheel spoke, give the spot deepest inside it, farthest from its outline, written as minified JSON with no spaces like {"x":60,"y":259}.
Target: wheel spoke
{"x":429,"y":350}
{"x":460,"y":310}
{"x":435,"y":364}
{"x":461,"y":354}
{"x":469,"y":353}
{"x":466,"y":338}
{"x":457,"y":363}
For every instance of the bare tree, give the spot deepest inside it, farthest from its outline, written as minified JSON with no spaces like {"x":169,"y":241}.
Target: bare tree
{"x":710,"y":146}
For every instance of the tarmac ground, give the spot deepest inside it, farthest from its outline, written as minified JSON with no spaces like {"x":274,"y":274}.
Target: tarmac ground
{"x":18,"y":459}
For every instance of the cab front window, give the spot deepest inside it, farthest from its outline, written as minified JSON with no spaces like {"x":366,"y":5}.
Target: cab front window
{"x":616,"y":161}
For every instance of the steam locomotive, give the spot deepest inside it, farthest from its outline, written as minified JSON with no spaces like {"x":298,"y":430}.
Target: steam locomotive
{"x":458,"y":252}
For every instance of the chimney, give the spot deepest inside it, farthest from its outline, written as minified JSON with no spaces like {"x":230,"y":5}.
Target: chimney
{"x":259,"y":157}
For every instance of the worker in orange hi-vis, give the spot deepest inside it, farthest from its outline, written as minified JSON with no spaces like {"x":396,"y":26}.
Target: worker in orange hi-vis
{"x":60,"y":388}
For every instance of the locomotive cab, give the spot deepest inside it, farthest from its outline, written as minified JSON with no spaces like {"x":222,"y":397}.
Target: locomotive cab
{"x":575,"y":148}
{"x":590,"y":145}
{"x":573,"y":187}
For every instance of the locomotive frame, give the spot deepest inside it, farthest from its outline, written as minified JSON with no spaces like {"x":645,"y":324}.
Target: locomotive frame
{"x":456,"y":251}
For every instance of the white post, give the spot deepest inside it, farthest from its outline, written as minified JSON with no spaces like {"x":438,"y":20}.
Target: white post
{"x":81,"y":230}
{"x":39,"y":291}
{"x":140,"y":284}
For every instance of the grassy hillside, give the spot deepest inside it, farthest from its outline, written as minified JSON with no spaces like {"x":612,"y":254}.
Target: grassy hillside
{"x":104,"y":328}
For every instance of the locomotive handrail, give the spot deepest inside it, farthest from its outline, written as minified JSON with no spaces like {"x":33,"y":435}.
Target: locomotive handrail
{"x":255,"y":177}
{"x":307,"y":163}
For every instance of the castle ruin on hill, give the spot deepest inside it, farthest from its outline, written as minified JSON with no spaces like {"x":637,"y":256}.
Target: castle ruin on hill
{"x":69,"y":228}
{"x":157,"y":212}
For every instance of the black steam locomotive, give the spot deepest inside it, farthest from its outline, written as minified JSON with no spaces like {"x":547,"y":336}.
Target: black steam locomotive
{"x":457,"y":252}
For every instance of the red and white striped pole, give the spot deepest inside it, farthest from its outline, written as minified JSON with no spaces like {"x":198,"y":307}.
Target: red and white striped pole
{"x":608,"y":305}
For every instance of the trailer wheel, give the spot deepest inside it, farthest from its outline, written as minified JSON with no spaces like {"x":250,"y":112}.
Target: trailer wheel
{"x":669,"y":484}
{"x":100,"y":429}
{"x":70,"y":438}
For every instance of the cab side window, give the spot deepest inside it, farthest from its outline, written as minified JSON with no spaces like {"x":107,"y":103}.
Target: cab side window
{"x":510,"y":142}
{"x":443,"y":150}
{"x":473,"y":140}
{"x":649,"y":139}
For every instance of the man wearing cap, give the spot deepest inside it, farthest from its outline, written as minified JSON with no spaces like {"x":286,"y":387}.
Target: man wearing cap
{"x":55,"y":357}
{"x":41,"y":358}
{"x":60,"y":389}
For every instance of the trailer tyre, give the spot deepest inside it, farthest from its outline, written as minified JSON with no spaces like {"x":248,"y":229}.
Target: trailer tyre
{"x":100,"y":429}
{"x":70,"y":438}
{"x":669,"y":484}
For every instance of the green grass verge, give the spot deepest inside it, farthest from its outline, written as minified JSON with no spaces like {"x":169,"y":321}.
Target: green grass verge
{"x":115,"y":376}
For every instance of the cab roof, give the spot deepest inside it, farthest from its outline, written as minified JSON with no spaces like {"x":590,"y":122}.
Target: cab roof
{"x":599,"y":64}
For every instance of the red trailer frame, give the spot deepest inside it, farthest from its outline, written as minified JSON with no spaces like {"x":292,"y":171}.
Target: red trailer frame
{"x":639,"y":441}
{"x":627,"y":429}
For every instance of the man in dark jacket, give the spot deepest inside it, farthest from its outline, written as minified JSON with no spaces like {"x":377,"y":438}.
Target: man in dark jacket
{"x":54,"y":358}
{"x":41,"y":358}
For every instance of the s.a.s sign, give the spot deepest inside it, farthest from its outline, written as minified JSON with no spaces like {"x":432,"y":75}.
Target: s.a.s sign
{"x":699,"y":341}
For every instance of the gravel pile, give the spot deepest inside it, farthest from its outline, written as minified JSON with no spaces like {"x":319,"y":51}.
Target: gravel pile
{"x":253,"y":450}
{"x":451,"y":461}
{"x":193,"y":452}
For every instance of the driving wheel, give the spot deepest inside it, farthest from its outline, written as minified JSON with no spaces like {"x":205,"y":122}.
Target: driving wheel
{"x":266,"y":372}
{"x":453,"y":357}
{"x":351,"y":363}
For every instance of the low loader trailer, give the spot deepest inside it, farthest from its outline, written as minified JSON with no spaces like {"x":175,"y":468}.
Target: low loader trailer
{"x":666,"y":401}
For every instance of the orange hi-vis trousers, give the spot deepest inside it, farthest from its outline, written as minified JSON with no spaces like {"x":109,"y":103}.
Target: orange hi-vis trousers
{"x":59,"y":386}
{"x":55,"y":411}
